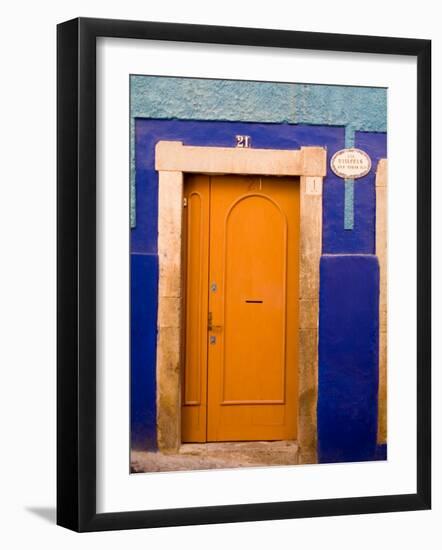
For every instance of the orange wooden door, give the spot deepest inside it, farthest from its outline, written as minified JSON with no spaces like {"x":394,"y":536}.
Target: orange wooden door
{"x":248,"y":314}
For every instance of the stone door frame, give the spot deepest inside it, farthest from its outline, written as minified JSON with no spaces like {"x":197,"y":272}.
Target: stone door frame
{"x":172,"y":161}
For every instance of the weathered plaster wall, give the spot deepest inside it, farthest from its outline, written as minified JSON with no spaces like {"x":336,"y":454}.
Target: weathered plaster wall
{"x":285,"y":116}
{"x":353,"y":107}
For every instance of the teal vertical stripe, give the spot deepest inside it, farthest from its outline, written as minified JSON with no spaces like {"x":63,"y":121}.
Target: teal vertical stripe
{"x":349,"y":185}
{"x":349,"y":210}
{"x":133,"y":214}
{"x":349,"y":137}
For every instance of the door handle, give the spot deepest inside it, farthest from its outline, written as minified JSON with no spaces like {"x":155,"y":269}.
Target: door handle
{"x":210,"y":325}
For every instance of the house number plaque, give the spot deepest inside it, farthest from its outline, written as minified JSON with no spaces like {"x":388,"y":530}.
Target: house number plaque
{"x":243,"y":141}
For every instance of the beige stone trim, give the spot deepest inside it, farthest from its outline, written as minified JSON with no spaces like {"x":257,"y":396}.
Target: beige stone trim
{"x":172,"y":160}
{"x":173,"y":155}
{"x":381,"y":252}
{"x":170,"y":200}
{"x":311,"y":247}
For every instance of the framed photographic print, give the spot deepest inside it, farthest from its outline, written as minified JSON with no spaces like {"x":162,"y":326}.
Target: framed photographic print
{"x":243,"y":274}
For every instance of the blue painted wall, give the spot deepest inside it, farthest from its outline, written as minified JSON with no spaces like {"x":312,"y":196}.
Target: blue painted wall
{"x":144,"y":302}
{"x":348,"y":358}
{"x":289,"y":116}
{"x":361,"y":240}
{"x":276,"y":136}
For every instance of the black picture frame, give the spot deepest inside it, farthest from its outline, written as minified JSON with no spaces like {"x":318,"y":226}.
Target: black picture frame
{"x":77,"y":286}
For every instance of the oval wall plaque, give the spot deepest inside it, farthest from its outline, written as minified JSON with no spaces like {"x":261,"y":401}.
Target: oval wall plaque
{"x":350,"y":163}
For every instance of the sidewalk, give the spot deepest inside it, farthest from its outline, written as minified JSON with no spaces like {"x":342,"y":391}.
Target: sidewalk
{"x":206,"y":456}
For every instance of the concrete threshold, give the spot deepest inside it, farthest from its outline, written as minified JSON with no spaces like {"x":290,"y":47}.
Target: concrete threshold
{"x":207,"y":456}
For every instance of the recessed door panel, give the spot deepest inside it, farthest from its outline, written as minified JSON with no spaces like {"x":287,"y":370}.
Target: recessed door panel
{"x":254,"y":317}
{"x":196,"y":262}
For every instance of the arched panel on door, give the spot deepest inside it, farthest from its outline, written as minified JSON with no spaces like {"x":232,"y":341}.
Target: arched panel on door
{"x":255,"y":279}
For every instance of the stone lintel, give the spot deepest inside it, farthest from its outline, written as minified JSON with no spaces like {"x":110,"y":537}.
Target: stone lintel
{"x":174,"y":156}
